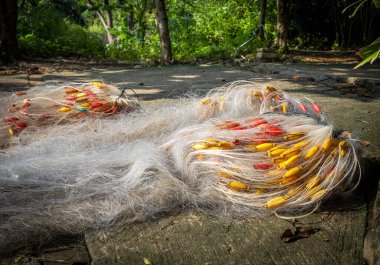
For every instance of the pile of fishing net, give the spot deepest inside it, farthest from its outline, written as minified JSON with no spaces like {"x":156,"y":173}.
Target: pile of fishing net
{"x":48,"y":106}
{"x":241,"y":151}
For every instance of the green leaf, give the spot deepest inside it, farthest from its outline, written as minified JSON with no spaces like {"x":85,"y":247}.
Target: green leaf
{"x":370,"y":49}
{"x":357,"y":8}
{"x":366,"y":60}
{"x":344,"y":10}
{"x":374,"y":59}
{"x":371,"y":57}
{"x":369,"y":53}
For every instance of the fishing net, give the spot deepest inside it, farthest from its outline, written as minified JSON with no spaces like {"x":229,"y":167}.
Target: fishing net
{"x":51,"y":105}
{"x":240,"y":151}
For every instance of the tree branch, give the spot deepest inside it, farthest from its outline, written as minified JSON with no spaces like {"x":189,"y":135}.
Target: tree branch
{"x":107,"y":23}
{"x":91,"y":5}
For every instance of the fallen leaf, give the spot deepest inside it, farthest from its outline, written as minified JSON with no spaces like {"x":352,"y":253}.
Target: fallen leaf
{"x":301,"y":77}
{"x":305,"y":231}
{"x":366,"y":143}
{"x":301,"y":232}
{"x":35,"y":70}
{"x":10,"y":72}
{"x":287,"y":236}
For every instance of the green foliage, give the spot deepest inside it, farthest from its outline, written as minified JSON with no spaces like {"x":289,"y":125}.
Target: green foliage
{"x":323,"y":25}
{"x":42,"y":21}
{"x":209,"y":29}
{"x":358,"y":6}
{"x":139,"y":44}
{"x":370,"y":53}
{"x":129,"y":48}
{"x":74,"y":42}
{"x":214,"y":29}
{"x":43,"y":31}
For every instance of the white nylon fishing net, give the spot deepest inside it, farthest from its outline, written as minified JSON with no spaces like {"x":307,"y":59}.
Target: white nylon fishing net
{"x":254,"y":152}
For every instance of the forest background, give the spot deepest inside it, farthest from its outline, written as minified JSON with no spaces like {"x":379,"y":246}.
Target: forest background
{"x":167,"y":31}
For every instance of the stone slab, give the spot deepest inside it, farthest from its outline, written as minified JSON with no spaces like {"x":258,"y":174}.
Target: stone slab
{"x":265,"y":53}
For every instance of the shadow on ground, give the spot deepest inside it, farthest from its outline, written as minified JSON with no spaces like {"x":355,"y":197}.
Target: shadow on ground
{"x":175,"y":81}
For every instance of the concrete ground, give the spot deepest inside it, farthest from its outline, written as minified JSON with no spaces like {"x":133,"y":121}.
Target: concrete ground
{"x":349,"y":227}
{"x":345,"y":71}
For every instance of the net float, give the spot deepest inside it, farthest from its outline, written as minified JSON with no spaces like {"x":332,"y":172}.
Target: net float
{"x":238,"y":185}
{"x":71,"y":90}
{"x":99,"y":84}
{"x":292,"y":172}
{"x":262,"y":166}
{"x":64,"y":109}
{"x":81,"y":99}
{"x":11,"y":132}
{"x":20,"y":124}
{"x":10,"y":119}
{"x":96,"y":105}
{"x":86,"y":105}
{"x":275,"y":202}
{"x":311,"y":152}
{"x":25,"y":105}
{"x":80,"y":95}
{"x":302,"y":107}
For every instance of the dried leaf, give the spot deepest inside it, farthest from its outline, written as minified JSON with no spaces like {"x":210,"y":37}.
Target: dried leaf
{"x":301,"y":232}
{"x":35,"y":70}
{"x":303,"y":78}
{"x":366,"y":143}
{"x":287,"y":236}
{"x":305,"y":232}
{"x":10,"y":72}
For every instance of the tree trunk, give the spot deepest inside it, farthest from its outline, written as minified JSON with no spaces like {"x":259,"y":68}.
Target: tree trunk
{"x":8,"y":30}
{"x":263,"y":10}
{"x":131,"y":19}
{"x":282,"y":24}
{"x":131,"y":22}
{"x":141,"y":21}
{"x":163,"y":32}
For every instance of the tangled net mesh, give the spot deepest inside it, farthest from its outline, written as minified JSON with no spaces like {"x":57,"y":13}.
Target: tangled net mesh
{"x":47,"y":106}
{"x":252,"y":151}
